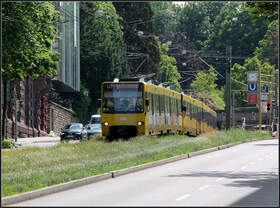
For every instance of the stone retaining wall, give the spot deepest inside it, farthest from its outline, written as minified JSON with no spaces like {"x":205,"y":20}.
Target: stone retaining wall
{"x":58,"y":117}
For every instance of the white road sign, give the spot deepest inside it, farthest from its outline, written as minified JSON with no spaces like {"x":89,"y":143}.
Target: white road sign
{"x":252,"y":76}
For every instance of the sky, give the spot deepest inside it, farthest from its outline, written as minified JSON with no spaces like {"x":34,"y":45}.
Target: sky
{"x":178,"y":2}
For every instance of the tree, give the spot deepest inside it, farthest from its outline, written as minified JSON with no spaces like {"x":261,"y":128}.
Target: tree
{"x":268,"y":10}
{"x":267,"y":51}
{"x":101,"y":48}
{"x":142,"y":54}
{"x":28,"y":51}
{"x":165,"y":17}
{"x":233,"y":27}
{"x":168,"y":72}
{"x":205,"y":89}
{"x":196,"y":20}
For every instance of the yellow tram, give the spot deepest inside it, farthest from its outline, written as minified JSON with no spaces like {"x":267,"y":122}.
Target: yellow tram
{"x":130,"y":108}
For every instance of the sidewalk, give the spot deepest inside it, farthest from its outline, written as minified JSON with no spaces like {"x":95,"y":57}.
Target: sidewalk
{"x":38,"y":141}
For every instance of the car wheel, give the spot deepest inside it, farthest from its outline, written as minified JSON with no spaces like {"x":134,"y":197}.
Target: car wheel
{"x":62,"y":139}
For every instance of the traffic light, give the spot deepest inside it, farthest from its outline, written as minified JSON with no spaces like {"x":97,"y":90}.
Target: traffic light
{"x":268,"y":105}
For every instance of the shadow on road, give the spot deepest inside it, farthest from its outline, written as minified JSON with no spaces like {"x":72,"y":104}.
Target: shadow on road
{"x":266,"y":182}
{"x":266,"y":195}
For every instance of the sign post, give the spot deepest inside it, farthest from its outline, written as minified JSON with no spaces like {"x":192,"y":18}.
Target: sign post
{"x":259,"y":100}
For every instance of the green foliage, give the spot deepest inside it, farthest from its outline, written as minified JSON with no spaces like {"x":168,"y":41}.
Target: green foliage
{"x":165,"y":17}
{"x":233,"y":26}
{"x":268,"y":10}
{"x":268,"y":47}
{"x":27,"y":52}
{"x":168,"y":72}
{"x":196,"y":20}
{"x":206,"y":89}
{"x":8,"y":143}
{"x":101,"y":48}
{"x":205,"y":81}
{"x":143,"y":55}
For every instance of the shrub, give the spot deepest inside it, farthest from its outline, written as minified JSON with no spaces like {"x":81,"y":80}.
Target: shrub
{"x":8,"y":143}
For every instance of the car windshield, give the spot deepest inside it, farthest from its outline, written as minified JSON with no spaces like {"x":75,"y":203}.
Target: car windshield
{"x":95,"y":120}
{"x":94,"y":126}
{"x":74,"y":126}
{"x":123,"y":98}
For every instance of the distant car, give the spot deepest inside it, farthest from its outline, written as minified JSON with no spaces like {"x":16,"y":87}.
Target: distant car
{"x":73,"y":131}
{"x":263,"y":126}
{"x":95,"y":119}
{"x":93,"y":129}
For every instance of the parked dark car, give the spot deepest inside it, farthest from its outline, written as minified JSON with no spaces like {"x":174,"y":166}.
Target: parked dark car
{"x":93,"y":129}
{"x":73,"y":131}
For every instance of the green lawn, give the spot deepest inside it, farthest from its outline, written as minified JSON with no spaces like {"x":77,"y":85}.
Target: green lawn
{"x":32,"y":168}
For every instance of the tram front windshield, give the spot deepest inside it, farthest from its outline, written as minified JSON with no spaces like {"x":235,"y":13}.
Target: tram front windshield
{"x":123,"y":98}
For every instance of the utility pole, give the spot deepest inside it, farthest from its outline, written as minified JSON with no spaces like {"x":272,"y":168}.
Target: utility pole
{"x":259,"y":99}
{"x":228,"y":87}
{"x":276,"y":116}
{"x":233,"y":109}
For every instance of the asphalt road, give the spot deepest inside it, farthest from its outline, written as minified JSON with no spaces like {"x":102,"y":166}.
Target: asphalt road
{"x":243,"y":175}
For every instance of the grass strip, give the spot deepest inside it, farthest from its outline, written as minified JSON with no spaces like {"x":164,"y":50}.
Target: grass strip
{"x":31,"y":168}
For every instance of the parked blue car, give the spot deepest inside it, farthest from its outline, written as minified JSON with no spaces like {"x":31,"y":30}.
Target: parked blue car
{"x":93,"y":129}
{"x":73,"y":131}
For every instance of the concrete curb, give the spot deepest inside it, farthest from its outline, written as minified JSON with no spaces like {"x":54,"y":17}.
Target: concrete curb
{"x":92,"y":179}
{"x":203,"y":151}
{"x":53,"y":189}
{"x":148,"y":165}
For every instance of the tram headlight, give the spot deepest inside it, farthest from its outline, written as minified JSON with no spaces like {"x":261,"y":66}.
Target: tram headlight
{"x":105,"y":123}
{"x":140,"y":123}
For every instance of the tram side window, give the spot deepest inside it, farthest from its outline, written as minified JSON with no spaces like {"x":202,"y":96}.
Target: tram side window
{"x":152,"y":104}
{"x":157,"y":99}
{"x":167,"y":104}
{"x":205,"y":117}
{"x":155,"y":102}
{"x":170,"y":105}
{"x":185,"y":104}
{"x":162,"y":103}
{"x":188,"y":109}
{"x":176,"y":103}
{"x":179,"y":107}
{"x":173,"y":106}
{"x":191,"y":115}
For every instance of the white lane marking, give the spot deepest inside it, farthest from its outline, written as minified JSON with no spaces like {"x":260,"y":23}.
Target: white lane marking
{"x":183,"y":197}
{"x":260,"y":159}
{"x":219,"y":179}
{"x":252,"y":163}
{"x":203,"y":187}
{"x":243,"y":167}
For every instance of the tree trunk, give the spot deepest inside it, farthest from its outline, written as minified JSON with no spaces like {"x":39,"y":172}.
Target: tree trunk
{"x":4,"y":108}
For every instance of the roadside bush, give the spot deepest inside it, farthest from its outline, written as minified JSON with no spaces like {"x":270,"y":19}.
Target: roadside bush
{"x":8,"y":143}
